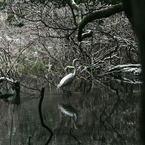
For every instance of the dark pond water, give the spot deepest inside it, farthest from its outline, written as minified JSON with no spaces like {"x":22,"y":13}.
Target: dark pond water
{"x":96,"y":113}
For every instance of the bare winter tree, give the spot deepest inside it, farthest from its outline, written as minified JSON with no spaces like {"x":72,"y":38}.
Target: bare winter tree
{"x":42,"y":37}
{"x":64,"y":20}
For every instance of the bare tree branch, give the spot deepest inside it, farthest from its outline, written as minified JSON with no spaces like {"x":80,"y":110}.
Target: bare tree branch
{"x":97,"y":15}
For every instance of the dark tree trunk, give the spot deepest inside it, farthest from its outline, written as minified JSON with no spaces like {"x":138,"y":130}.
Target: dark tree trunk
{"x":135,"y":11}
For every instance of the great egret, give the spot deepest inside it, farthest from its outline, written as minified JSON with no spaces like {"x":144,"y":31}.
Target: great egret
{"x":68,"y":79}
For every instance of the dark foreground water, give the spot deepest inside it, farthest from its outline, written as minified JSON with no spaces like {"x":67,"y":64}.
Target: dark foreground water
{"x":96,"y":113}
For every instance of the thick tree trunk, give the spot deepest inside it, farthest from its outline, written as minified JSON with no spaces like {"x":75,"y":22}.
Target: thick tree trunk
{"x":135,"y":11}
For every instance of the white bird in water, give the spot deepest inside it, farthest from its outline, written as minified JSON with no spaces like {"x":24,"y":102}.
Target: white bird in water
{"x":68,"y":79}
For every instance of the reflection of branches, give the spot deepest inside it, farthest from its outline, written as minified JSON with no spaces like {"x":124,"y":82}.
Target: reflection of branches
{"x":102,"y":121}
{"x":114,"y":129}
{"x":110,"y":114}
{"x":41,"y":117}
{"x":34,"y":89}
{"x":115,"y":106}
{"x":74,"y":137}
{"x":107,"y":88}
{"x":16,"y":100}
{"x":29,"y":140}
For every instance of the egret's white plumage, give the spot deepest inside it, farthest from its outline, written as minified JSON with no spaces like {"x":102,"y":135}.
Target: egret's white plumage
{"x":68,"y":79}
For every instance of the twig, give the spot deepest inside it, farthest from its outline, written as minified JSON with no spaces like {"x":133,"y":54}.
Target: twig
{"x":41,"y":117}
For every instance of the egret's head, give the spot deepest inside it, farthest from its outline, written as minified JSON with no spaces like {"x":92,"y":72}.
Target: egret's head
{"x":74,"y":61}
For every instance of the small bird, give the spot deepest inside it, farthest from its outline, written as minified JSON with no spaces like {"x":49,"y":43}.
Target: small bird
{"x":68,"y":79}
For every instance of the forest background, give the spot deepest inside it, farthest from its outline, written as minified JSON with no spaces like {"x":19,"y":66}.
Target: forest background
{"x":40,"y":37}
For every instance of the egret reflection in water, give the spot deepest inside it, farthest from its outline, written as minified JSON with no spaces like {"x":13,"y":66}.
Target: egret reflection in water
{"x":70,"y":111}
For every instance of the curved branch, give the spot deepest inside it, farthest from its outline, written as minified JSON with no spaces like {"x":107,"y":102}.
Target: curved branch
{"x":97,"y":15}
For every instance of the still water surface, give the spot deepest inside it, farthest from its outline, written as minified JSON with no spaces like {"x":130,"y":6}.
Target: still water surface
{"x":96,"y":113}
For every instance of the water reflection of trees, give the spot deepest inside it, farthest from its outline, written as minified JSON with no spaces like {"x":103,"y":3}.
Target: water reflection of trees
{"x":108,"y":116}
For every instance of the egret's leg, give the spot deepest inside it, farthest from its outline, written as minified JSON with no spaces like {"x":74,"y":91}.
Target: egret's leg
{"x":68,"y":92}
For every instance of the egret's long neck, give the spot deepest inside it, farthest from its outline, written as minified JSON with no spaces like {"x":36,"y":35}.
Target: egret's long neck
{"x":75,"y":70}
{"x":74,"y":62}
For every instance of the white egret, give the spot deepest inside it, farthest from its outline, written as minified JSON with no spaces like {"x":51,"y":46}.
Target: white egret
{"x":68,"y":79}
